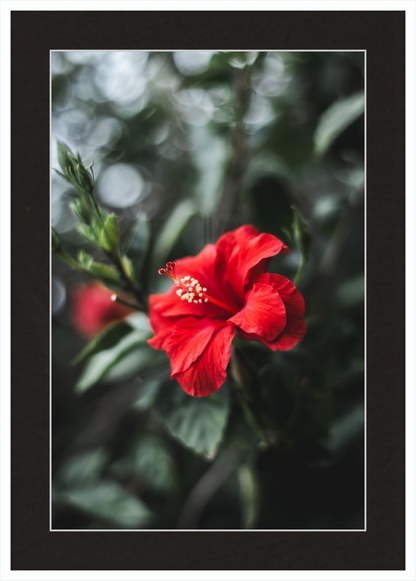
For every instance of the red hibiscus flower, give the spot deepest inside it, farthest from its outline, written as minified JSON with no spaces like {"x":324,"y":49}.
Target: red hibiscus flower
{"x":222,"y":290}
{"x":93,"y":309}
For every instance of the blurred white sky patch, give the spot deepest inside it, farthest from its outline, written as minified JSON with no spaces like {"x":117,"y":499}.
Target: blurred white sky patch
{"x":192,"y":62}
{"x":195,"y":106}
{"x":273,"y":80}
{"x":121,"y":185}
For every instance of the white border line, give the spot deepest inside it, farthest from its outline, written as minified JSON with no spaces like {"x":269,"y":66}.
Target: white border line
{"x":365,"y":290}
{"x":363,"y":530}
{"x":50,"y":292}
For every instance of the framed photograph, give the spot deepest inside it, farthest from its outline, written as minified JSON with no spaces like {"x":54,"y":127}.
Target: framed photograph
{"x":207,"y":346}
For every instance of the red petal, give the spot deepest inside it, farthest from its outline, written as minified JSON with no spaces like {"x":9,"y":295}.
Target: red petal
{"x":169,"y":307}
{"x":185,"y":340}
{"x":156,"y":305}
{"x":208,"y":372}
{"x":295,"y":305}
{"x":238,"y":252}
{"x":202,"y":267}
{"x":264,"y":313}
{"x":295,"y":308}
{"x":294,"y":332}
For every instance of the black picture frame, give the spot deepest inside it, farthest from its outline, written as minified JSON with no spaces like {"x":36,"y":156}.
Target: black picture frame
{"x":382,"y":35}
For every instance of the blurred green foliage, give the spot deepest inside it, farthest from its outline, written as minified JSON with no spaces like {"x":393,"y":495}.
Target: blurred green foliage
{"x":186,"y":146}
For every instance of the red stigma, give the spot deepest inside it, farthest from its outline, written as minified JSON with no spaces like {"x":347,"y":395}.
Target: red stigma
{"x":169,"y":271}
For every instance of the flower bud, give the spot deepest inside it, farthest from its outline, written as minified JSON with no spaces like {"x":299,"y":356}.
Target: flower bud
{"x":93,"y":309}
{"x":74,"y":171}
{"x":65,"y":156}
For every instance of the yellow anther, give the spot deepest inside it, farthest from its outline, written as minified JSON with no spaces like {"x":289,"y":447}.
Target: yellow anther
{"x":190,"y":290}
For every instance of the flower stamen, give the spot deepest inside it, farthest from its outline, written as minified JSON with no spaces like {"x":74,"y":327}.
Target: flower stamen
{"x":191,"y":290}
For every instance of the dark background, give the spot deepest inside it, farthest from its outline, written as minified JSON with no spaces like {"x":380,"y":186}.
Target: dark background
{"x":383,"y":545}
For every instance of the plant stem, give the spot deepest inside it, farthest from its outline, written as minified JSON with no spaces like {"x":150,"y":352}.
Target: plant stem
{"x":243,"y":376}
{"x":96,"y":208}
{"x":115,"y":298}
{"x":301,"y":267}
{"x":130,"y":286}
{"x":115,"y":257}
{"x":238,"y":158}
{"x":71,"y":261}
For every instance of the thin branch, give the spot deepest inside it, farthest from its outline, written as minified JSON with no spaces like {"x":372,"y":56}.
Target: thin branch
{"x":205,"y":489}
{"x":235,"y":170}
{"x":117,"y":299}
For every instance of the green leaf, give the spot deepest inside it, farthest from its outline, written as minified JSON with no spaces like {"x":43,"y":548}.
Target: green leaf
{"x":197,"y":422}
{"x":109,"y":502}
{"x":300,"y":231}
{"x":110,"y":235}
{"x":128,"y":267}
{"x":85,"y":259}
{"x":104,"y":271}
{"x":84,"y":467}
{"x":101,"y":363}
{"x":81,"y":210}
{"x":65,"y":156}
{"x":60,"y":174}
{"x":249,"y":495}
{"x":336,"y":119}
{"x":87,"y":232}
{"x":301,"y":238}
{"x":138,"y":246}
{"x":141,"y":360}
{"x":352,"y":292}
{"x":140,"y":322}
{"x":172,"y":231}
{"x":56,"y":241}
{"x":109,"y":337}
{"x":148,"y":393}
{"x":150,"y":460}
{"x":97,"y":269}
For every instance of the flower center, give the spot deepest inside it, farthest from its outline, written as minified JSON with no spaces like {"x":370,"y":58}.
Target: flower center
{"x":190,"y":290}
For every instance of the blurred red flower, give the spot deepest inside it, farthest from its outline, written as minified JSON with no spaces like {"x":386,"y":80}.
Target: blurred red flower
{"x":223,"y":289}
{"x":93,"y":309}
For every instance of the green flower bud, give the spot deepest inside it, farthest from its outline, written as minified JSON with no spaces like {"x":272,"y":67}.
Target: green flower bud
{"x":74,"y":170}
{"x":65,"y":156}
